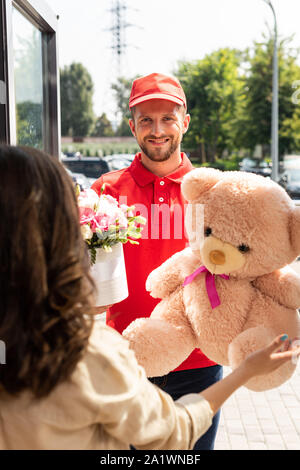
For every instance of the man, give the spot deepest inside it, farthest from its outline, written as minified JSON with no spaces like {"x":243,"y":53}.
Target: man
{"x":152,"y":184}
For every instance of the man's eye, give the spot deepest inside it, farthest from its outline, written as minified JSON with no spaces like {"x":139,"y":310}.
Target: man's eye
{"x":168,"y":118}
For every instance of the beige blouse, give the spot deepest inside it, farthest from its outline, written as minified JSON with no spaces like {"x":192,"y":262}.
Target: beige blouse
{"x":108,"y":403}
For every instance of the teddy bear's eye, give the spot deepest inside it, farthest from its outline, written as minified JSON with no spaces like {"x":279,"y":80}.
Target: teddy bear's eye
{"x":208,"y":231}
{"x":244,"y":248}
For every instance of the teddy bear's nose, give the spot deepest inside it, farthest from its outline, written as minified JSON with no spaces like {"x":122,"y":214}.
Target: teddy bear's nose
{"x":217,"y":257}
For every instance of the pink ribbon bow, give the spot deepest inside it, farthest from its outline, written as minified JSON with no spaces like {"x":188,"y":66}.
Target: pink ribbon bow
{"x":210,"y":284}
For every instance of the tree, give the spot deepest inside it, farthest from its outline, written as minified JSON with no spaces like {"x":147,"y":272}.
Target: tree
{"x":290,"y":131}
{"x":123,"y":129}
{"x":29,"y":124}
{"x":254,"y":126}
{"x":212,"y":86}
{"x":103,"y":127}
{"x":122,"y":89}
{"x":76,"y":86}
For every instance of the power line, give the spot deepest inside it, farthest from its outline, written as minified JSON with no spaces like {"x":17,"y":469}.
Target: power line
{"x":118,"y":28}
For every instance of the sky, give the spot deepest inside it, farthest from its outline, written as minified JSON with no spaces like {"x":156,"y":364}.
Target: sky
{"x":161,"y":33}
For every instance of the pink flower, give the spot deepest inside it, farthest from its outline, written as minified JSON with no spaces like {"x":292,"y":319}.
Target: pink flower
{"x":100,"y":221}
{"x":86,"y":215}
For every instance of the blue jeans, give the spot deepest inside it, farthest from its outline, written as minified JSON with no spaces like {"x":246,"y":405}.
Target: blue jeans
{"x":182,"y":382}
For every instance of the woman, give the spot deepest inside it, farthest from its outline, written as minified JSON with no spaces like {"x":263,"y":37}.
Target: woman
{"x":73,"y":381}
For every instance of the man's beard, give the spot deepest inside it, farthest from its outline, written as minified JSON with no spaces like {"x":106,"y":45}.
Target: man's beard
{"x":159,"y":154}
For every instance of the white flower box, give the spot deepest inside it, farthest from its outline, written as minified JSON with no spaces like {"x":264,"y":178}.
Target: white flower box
{"x":109,"y":275}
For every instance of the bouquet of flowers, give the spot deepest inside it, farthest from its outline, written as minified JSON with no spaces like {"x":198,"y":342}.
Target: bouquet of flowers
{"x":105,"y":223}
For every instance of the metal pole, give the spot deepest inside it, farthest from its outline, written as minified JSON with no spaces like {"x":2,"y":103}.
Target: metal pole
{"x":274,"y":130}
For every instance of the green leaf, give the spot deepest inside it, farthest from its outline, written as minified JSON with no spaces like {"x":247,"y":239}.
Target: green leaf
{"x":93,"y":254}
{"x":133,"y":242}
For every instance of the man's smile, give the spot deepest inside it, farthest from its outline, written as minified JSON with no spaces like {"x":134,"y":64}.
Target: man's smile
{"x":158,"y":142}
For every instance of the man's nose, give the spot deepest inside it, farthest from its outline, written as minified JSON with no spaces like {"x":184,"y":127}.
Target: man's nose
{"x":157,"y":127}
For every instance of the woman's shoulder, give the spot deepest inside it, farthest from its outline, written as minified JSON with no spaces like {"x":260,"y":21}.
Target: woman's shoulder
{"x":107,"y":356}
{"x":102,"y":331}
{"x":106,"y":342}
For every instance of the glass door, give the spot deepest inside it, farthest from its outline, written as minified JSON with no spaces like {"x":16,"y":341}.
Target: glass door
{"x":30,"y":75}
{"x":28,"y":80}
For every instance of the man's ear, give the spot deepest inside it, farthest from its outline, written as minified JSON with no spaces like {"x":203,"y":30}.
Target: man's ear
{"x":186,"y":123}
{"x":132,"y":126}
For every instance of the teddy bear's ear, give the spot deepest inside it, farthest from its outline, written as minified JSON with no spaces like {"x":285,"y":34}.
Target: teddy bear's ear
{"x":295,"y":230}
{"x":199,"y":181}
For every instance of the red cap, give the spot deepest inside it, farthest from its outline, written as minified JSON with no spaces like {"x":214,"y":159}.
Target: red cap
{"x":156,"y":86}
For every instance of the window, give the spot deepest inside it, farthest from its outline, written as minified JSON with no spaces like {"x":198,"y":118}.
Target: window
{"x":30,"y":76}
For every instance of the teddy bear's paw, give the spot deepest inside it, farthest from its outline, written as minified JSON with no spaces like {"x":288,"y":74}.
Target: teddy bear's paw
{"x":159,"y":346}
{"x":252,"y":340}
{"x":272,"y":380}
{"x":152,"y":285}
{"x":160,"y":286}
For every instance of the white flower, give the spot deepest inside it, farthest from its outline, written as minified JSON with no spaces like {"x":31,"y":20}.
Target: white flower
{"x":88,"y":198}
{"x":86,"y":232}
{"x":123,"y":221}
{"x":127,"y":210}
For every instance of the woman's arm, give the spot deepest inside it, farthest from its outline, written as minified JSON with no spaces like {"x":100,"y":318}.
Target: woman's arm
{"x":258,"y":363}
{"x":134,"y":411}
{"x":128,"y":407}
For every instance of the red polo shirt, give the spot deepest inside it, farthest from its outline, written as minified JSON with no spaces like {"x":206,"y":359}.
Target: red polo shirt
{"x":161,"y":202}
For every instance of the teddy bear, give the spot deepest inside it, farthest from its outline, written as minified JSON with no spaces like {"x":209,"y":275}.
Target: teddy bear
{"x":230,"y":291}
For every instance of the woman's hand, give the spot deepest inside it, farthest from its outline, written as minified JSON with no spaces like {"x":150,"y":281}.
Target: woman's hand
{"x":102,"y":309}
{"x":268,"y":359}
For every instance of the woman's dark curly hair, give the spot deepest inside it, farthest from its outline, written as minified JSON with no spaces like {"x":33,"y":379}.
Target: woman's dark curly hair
{"x":45,"y":289}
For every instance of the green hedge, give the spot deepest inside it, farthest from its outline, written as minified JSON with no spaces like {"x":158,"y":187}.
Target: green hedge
{"x":230,"y":163}
{"x":96,"y":149}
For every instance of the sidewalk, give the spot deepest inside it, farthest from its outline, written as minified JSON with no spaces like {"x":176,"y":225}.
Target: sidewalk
{"x":262,"y":420}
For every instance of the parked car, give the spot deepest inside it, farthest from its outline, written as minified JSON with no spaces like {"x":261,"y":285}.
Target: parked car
{"x":118,"y":161}
{"x":91,"y":167}
{"x":80,"y":179}
{"x":290,"y":180}
{"x":71,"y":154}
{"x":253,"y":165}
